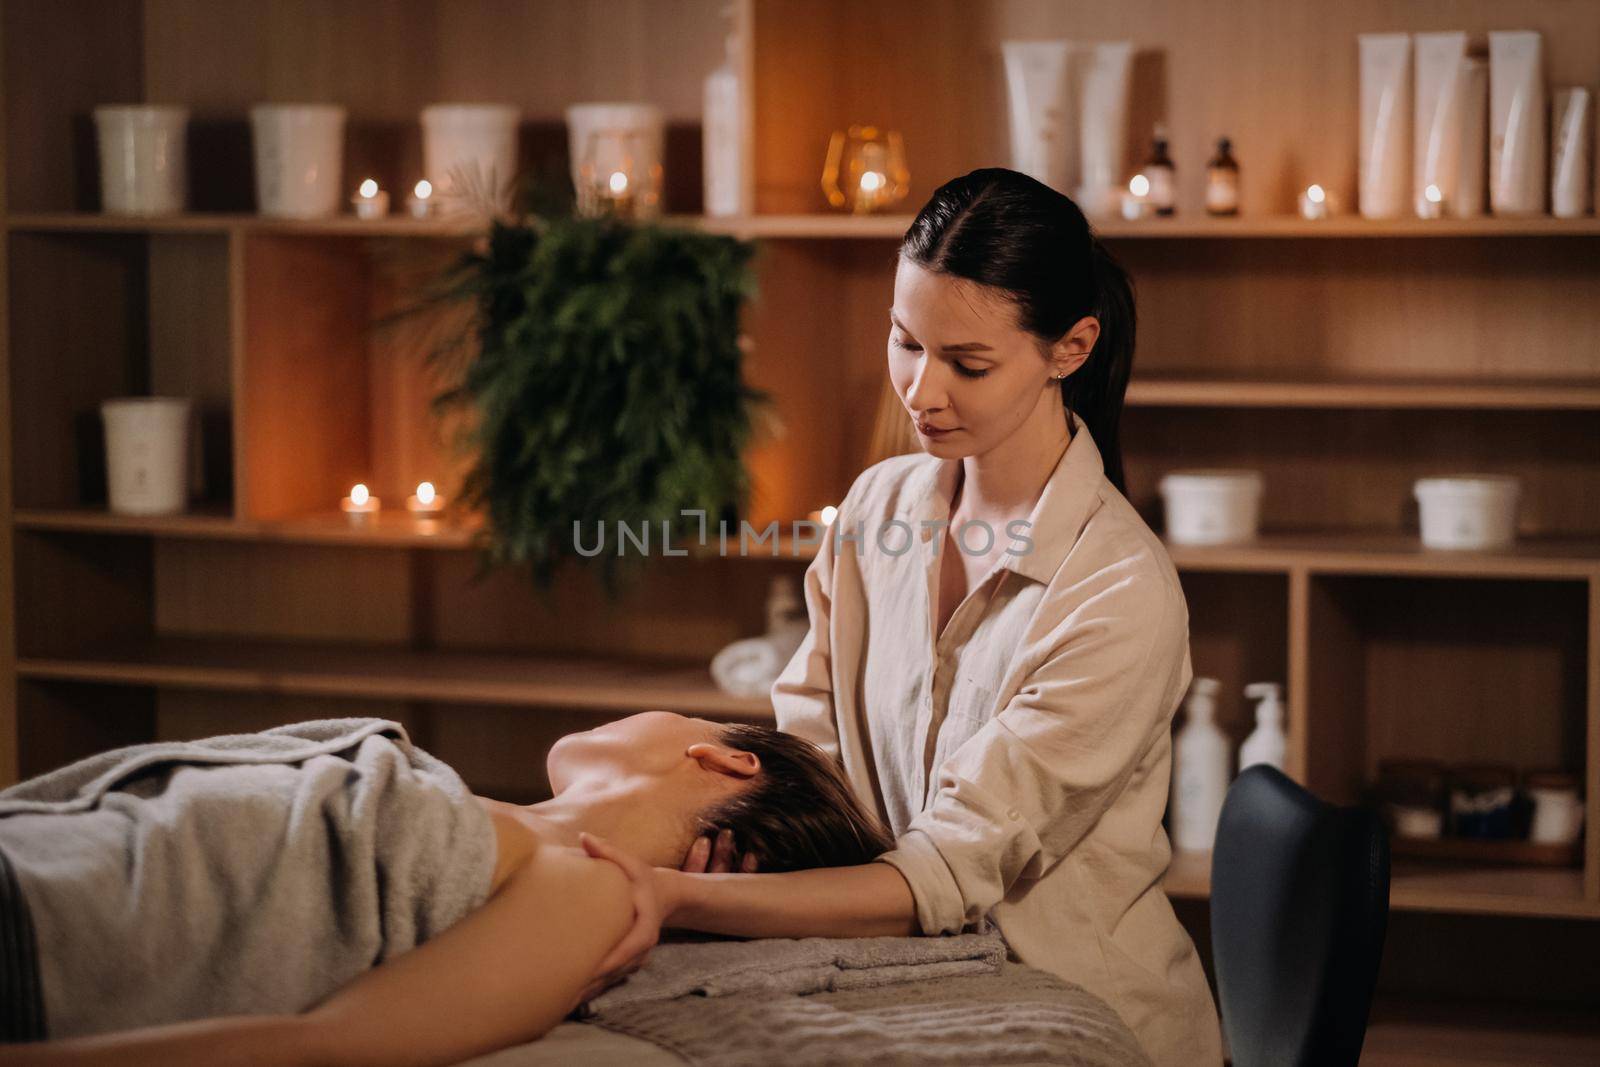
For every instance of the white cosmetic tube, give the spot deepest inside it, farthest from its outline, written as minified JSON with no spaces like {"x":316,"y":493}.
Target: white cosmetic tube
{"x":1436,"y":131}
{"x":1517,"y":154}
{"x":1385,"y":177}
{"x":1039,"y":91}
{"x":1570,"y":160}
{"x":1471,"y":196}
{"x":1106,"y":73}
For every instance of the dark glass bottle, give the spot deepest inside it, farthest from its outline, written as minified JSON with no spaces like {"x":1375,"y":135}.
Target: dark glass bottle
{"x":1163,"y":177}
{"x":1222,"y":181}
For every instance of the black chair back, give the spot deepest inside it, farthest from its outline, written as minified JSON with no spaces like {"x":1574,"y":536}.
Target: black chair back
{"x":1299,"y":906}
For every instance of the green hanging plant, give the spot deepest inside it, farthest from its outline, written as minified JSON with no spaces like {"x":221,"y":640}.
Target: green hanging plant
{"x":600,"y":377}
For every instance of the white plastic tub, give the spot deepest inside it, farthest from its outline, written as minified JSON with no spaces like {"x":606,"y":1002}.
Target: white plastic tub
{"x":143,"y":158}
{"x":147,"y":454}
{"x":299,"y":153}
{"x":477,"y":142}
{"x":1210,"y":507}
{"x":1468,"y":510}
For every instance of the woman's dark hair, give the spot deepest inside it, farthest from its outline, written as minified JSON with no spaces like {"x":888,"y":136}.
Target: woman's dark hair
{"x":1003,"y":229}
{"x":800,"y":812}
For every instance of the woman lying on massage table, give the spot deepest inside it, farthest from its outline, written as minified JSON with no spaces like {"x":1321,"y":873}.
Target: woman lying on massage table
{"x":524,"y":951}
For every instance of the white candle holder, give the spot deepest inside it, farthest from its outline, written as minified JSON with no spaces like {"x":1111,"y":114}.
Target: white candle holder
{"x":370,"y":202}
{"x":1315,"y":203}
{"x":1136,"y":199}
{"x":420,"y":202}
{"x":360,"y":505}
{"x":425,"y":503}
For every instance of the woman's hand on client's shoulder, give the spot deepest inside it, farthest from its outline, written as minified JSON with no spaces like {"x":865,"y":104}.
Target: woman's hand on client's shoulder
{"x":654,"y":899}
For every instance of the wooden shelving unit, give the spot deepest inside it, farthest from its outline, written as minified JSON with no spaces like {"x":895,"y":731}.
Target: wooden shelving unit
{"x":1342,"y":358}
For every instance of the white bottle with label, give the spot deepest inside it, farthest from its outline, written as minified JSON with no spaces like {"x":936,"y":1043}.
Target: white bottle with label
{"x":1266,"y":743}
{"x":722,"y":134}
{"x":1200,"y":760}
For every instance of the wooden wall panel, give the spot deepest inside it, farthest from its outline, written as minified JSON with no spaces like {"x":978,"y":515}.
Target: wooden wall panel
{"x":62,"y":58}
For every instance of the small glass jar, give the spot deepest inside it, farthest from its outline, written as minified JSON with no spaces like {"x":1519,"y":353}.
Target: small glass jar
{"x":1557,"y":801}
{"x":865,"y":170}
{"x":1410,"y":794}
{"x":616,"y":177}
{"x":1483,"y":800}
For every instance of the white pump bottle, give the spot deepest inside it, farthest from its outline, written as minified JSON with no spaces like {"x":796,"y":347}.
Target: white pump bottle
{"x":1201,"y":755}
{"x":1266,"y":743}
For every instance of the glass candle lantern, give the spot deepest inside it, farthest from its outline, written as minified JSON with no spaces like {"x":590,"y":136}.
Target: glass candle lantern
{"x":865,"y":170}
{"x":617,"y":177}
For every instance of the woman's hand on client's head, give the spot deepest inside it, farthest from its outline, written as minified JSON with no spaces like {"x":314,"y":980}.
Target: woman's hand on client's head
{"x":706,"y":856}
{"x":650,"y":907}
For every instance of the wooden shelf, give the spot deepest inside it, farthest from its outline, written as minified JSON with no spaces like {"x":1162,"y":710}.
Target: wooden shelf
{"x":823,"y":227}
{"x":1534,"y":892}
{"x":1327,"y":552}
{"x":388,"y":673}
{"x":1159,"y":389}
{"x":387,"y":529}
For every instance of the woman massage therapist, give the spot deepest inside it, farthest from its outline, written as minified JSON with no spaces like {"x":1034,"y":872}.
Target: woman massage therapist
{"x":1001,"y":691}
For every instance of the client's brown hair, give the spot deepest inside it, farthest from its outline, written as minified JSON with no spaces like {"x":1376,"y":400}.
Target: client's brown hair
{"x":800,"y":811}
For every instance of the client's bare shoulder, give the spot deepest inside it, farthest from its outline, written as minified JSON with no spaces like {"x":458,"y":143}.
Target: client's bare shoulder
{"x":523,"y":846}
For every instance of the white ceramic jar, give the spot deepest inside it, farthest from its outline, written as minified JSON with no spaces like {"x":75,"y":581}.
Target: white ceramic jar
{"x":476,"y":142}
{"x":147,"y":452}
{"x":143,"y":158}
{"x":1210,"y":507}
{"x":299,"y":154}
{"x":1468,"y":510}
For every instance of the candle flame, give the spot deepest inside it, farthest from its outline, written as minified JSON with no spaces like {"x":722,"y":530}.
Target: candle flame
{"x":1139,"y":185}
{"x":369,"y":189}
{"x":424,"y":189}
{"x":1315,"y":194}
{"x":1433,"y":194}
{"x":358,"y":494}
{"x":618,"y":182}
{"x":425,"y":492}
{"x":871,"y":181}
{"x":829,"y":513}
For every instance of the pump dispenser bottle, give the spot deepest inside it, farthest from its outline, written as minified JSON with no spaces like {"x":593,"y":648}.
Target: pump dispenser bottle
{"x":1266,"y":742}
{"x":1201,"y":756}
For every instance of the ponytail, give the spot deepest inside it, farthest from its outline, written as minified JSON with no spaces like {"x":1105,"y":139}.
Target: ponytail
{"x":1001,"y":228}
{"x":1095,"y":391}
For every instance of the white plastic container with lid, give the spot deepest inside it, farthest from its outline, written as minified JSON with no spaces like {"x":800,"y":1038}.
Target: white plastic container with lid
{"x":1266,"y":743}
{"x":1208,"y":507}
{"x":1200,"y":759}
{"x":1468,"y":510}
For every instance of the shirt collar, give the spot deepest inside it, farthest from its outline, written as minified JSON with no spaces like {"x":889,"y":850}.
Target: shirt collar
{"x":1053,"y":525}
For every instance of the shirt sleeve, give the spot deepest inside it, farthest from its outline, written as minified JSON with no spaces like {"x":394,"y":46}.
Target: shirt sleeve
{"x":802,"y":695}
{"x":1030,"y":785}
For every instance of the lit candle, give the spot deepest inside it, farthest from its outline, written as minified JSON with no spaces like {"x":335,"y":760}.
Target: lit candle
{"x":1136,"y":200}
{"x":359,"y":504}
{"x":824,"y":517}
{"x":1431,"y":206}
{"x":370,"y":202}
{"x":617,"y":195}
{"x":425,"y":502}
{"x":1314,"y":202}
{"x":420,"y":202}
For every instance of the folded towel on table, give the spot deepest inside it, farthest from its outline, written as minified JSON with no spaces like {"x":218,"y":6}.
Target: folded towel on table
{"x":804,"y":965}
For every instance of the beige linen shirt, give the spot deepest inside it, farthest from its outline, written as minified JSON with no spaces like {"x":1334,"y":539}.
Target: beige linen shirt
{"x":1021,"y":758}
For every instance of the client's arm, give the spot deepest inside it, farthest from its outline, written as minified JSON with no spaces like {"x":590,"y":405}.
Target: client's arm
{"x":504,"y":975}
